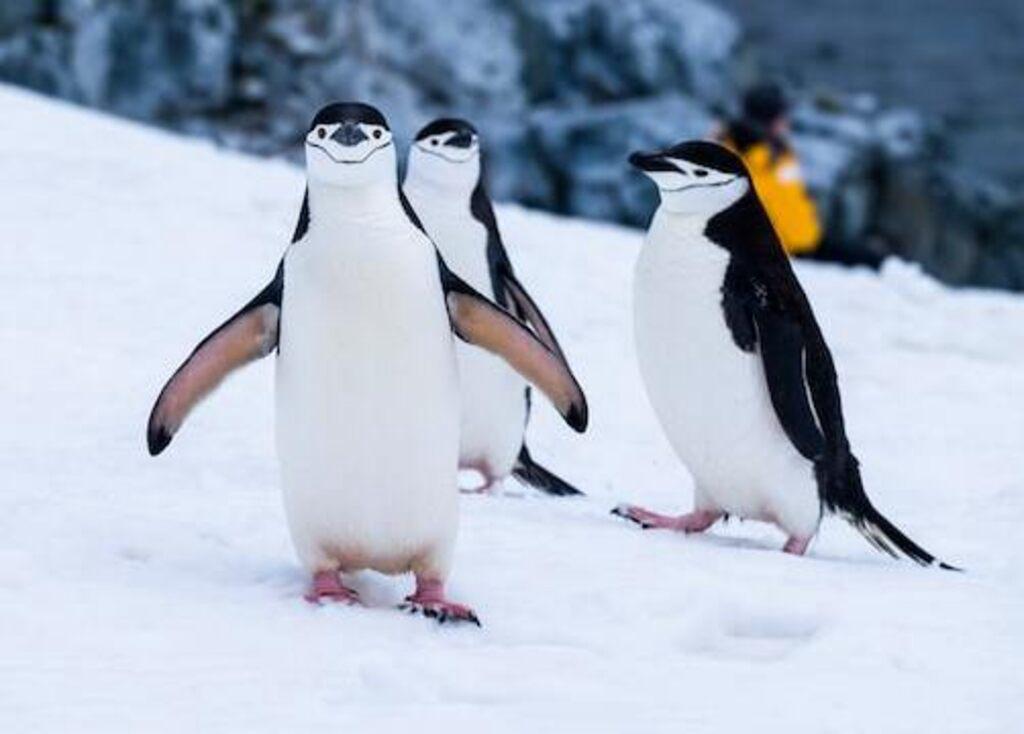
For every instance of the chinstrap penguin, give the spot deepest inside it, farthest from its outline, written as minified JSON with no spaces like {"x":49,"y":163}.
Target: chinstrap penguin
{"x":361,"y":312}
{"x":445,"y":184}
{"x":735,"y":365}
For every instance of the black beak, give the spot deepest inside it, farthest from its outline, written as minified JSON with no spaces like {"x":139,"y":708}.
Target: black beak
{"x":349,"y":134}
{"x":651,"y":162}
{"x":461,"y":139}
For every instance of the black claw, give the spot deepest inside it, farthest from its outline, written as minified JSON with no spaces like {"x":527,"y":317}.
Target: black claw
{"x":441,"y":615}
{"x":619,"y":512}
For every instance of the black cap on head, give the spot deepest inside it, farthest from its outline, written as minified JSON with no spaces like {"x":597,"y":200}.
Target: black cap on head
{"x":349,"y":112}
{"x":446,"y":125}
{"x":699,"y":152}
{"x":764,"y":104}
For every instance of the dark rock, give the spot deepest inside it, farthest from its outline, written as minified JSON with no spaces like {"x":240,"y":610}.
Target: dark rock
{"x":589,"y":147}
{"x":152,"y":59}
{"x":36,"y":58}
{"x":884,"y":187}
{"x":16,"y":14}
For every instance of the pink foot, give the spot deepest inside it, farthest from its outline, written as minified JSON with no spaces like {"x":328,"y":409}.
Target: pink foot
{"x":485,"y":488}
{"x":429,"y":601}
{"x":327,"y":586}
{"x":489,"y":480}
{"x":694,"y":522}
{"x":796,"y":546}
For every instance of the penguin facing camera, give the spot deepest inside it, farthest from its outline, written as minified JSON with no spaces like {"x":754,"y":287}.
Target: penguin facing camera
{"x":362,"y":313}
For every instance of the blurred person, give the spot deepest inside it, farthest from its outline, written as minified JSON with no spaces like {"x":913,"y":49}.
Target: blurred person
{"x":760,"y":137}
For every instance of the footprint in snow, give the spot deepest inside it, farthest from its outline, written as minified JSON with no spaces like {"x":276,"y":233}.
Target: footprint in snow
{"x":750,"y":633}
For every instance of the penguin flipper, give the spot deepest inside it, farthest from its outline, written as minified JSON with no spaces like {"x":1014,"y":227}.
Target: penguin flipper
{"x":530,"y":472}
{"x":508,"y":291}
{"x":482,"y":323}
{"x":804,"y":392}
{"x":758,"y":321}
{"x":248,"y":335}
{"x":782,"y":355}
{"x":528,"y":311}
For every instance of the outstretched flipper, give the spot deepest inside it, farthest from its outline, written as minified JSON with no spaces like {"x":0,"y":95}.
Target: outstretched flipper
{"x":530,"y":472}
{"x":478,"y":321}
{"x":248,"y":335}
{"x":508,"y":291}
{"x":528,"y":311}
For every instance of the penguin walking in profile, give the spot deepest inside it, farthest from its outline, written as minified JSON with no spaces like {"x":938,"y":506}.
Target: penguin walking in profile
{"x":735,"y":364}
{"x":361,"y":313}
{"x":445,"y":185}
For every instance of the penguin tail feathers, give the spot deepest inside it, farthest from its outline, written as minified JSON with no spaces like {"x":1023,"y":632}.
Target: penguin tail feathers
{"x":530,"y":472}
{"x":888,"y":538}
{"x":842,"y":492}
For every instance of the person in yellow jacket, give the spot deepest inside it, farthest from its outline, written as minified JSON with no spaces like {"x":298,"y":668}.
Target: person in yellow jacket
{"x":759,"y":137}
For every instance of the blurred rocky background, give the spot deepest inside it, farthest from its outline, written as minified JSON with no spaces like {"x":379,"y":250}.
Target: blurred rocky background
{"x":904,"y":119}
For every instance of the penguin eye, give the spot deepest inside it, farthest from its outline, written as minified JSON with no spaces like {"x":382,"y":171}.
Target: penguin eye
{"x":700,"y":173}
{"x":377,"y":133}
{"x":434,"y":141}
{"x":321,"y":133}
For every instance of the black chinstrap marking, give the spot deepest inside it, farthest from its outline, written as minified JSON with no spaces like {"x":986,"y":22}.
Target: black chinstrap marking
{"x":687,"y":187}
{"x":440,"y":154}
{"x":349,"y":163}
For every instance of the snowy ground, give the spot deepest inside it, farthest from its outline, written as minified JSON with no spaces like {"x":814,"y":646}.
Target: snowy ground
{"x":162,"y":595}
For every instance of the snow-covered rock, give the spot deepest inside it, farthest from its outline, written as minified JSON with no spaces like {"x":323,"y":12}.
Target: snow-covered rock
{"x":561,"y":89}
{"x":249,"y":73}
{"x":884,"y":183}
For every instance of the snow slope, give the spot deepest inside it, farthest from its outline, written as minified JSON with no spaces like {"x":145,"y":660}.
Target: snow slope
{"x":162,"y":595}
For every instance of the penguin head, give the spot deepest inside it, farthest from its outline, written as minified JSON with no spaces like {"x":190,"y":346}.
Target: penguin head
{"x":349,"y":144}
{"x":695,"y":177}
{"x":446,"y":153}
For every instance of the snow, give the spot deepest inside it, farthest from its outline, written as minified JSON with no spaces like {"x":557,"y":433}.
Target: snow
{"x":162,"y":595}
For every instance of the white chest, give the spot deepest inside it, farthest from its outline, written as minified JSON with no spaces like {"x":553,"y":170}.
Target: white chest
{"x":460,"y":237}
{"x":367,"y":409}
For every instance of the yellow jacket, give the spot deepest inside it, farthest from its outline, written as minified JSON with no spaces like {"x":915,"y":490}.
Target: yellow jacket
{"x":780,"y":187}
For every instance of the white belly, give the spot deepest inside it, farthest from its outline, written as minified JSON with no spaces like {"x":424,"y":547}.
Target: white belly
{"x":711,"y":397}
{"x":367,"y":408}
{"x":493,"y":414}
